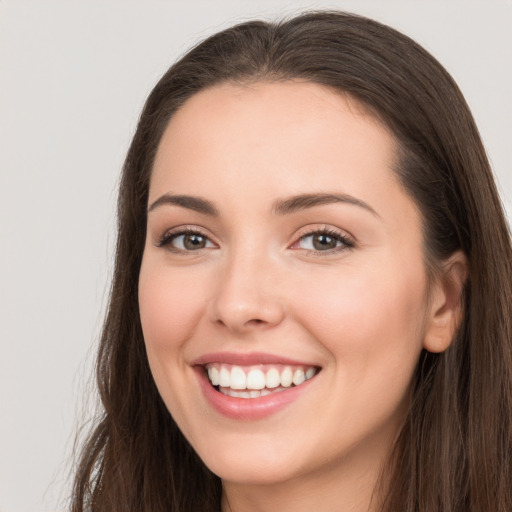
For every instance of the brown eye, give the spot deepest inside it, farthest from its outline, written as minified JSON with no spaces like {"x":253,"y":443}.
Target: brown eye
{"x":186,"y":241}
{"x":193,"y":241}
{"x":322,"y":242}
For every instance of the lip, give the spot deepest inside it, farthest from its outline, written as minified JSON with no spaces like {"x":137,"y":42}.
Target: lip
{"x":248,"y":409}
{"x":247,"y":359}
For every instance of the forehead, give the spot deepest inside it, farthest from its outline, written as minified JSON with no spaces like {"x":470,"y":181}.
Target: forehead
{"x":261,"y":127}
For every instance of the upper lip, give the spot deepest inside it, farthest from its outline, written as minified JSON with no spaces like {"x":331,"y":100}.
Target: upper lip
{"x":247,"y":359}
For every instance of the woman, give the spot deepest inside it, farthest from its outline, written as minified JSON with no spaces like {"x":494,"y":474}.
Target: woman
{"x":312,"y":295}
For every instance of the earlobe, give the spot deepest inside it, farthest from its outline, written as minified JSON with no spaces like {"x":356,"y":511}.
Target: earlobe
{"x":446,"y":303}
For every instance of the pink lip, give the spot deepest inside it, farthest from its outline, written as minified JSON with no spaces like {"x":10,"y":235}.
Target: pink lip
{"x":247,"y":408}
{"x":248,"y":359}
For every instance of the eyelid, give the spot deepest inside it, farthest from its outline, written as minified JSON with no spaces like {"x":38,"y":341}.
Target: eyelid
{"x":169,"y":235}
{"x":347,"y":240}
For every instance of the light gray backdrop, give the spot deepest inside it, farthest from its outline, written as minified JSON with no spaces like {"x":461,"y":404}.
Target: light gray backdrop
{"x":73,"y":77}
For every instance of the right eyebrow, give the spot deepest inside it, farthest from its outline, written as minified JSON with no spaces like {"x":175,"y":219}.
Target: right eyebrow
{"x":197,"y":204}
{"x":303,"y":201}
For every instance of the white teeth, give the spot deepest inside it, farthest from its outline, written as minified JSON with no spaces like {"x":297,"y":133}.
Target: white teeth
{"x":255,"y":379}
{"x":243,"y":382}
{"x":298,"y":377}
{"x":237,"y":394}
{"x":272,"y":379}
{"x":224,"y":378}
{"x":238,"y":378}
{"x":286,"y":377}
{"x":213,"y":374}
{"x":256,"y":393}
{"x":310,"y":372}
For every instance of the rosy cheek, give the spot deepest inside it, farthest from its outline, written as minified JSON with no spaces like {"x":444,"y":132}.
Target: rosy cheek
{"x":168,"y":311}
{"x":363,"y":312}
{"x":165,"y":311}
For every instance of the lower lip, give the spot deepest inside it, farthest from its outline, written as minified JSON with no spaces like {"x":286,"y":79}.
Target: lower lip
{"x":249,"y":408}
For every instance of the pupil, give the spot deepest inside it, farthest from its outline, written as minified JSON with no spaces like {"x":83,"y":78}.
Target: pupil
{"x":194,"y":242}
{"x":322,"y":242}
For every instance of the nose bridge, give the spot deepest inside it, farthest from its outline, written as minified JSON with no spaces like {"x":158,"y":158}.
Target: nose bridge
{"x":246,"y":292}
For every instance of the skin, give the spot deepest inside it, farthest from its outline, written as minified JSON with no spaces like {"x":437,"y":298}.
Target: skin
{"x":361,"y":313}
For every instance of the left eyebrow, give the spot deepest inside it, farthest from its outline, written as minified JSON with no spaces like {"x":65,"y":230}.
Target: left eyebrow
{"x":197,"y":204}
{"x":303,"y":201}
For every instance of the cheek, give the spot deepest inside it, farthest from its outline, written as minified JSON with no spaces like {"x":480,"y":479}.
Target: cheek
{"x":368,"y":315}
{"x":170,"y":307}
{"x":371,"y":325}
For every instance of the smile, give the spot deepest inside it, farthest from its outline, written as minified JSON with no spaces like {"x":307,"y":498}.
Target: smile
{"x":252,"y":386}
{"x":257,"y":381}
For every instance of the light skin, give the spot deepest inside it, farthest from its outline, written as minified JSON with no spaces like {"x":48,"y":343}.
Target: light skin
{"x":336,"y":279}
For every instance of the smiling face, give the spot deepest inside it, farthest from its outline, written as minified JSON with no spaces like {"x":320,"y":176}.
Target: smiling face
{"x":283,"y":257}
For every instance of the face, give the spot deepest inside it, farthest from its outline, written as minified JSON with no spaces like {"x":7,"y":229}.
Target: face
{"x":284,"y":260}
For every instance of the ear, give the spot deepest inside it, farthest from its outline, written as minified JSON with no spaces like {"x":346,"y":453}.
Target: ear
{"x":445,"y":303}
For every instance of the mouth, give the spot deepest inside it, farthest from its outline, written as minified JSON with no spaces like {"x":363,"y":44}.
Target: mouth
{"x":257,"y":381}
{"x":253,"y":386}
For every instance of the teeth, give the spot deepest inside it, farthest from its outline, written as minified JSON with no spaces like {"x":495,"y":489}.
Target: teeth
{"x":272,"y":379}
{"x":213,"y":375}
{"x":299,"y":377}
{"x":256,"y":393}
{"x":310,"y":373}
{"x":253,"y":382}
{"x":224,"y":378}
{"x":238,"y":378}
{"x":255,"y":379}
{"x":286,"y":377}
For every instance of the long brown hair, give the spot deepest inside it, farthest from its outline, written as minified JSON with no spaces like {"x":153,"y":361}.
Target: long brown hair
{"x":454,"y":453}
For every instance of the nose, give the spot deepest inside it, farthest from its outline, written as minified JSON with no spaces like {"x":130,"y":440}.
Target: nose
{"x":247,"y":296}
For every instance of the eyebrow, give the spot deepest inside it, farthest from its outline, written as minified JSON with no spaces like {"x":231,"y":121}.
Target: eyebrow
{"x":304,"y":201}
{"x":280,"y":207}
{"x":197,"y":204}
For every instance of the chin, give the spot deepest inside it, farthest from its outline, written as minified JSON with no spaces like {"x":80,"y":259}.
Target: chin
{"x":246,"y":473}
{"x":253,"y":466}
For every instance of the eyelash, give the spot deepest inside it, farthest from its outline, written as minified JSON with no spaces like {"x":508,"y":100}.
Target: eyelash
{"x":346,"y":242}
{"x":168,"y":237}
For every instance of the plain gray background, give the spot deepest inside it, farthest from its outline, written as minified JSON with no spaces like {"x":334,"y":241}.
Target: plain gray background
{"x":73,"y":77}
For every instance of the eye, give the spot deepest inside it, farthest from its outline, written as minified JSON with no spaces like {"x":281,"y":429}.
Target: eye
{"x":325,"y":240}
{"x":185,"y":241}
